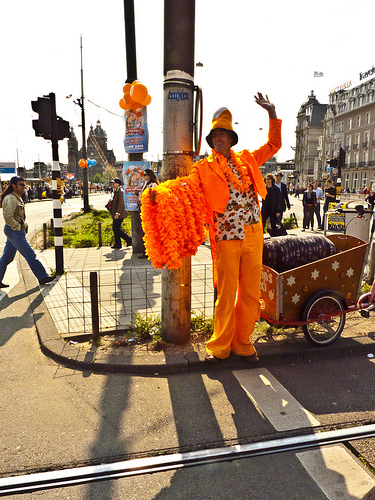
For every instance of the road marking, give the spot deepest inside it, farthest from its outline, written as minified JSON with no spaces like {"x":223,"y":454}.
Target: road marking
{"x":274,"y":401}
{"x":337,"y":473}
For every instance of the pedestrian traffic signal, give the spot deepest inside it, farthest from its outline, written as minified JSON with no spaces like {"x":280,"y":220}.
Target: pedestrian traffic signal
{"x":333,"y":163}
{"x":341,"y":160}
{"x":42,"y":126}
{"x":49,"y":125}
{"x":62,"y":129}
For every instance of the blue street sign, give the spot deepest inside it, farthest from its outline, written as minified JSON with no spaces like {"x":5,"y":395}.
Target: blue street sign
{"x":7,"y":170}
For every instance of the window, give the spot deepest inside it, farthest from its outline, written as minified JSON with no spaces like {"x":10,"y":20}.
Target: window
{"x":364,"y":179}
{"x":350,"y":124}
{"x":368,"y":118}
{"x":346,"y":181}
{"x":355,"y":180}
{"x":358,"y":121}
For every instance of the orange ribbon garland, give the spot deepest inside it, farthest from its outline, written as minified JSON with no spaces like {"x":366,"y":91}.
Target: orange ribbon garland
{"x":228,"y":173}
{"x":174,"y":226}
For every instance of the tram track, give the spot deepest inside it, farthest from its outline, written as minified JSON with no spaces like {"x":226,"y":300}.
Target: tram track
{"x":301,"y":439}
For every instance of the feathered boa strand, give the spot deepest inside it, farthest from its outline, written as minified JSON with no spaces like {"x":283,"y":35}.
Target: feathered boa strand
{"x":176,"y":224}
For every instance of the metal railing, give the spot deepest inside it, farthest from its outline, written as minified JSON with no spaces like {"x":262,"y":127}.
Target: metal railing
{"x":121,"y":294}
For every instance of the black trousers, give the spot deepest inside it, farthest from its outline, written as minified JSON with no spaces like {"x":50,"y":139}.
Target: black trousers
{"x":119,"y":233}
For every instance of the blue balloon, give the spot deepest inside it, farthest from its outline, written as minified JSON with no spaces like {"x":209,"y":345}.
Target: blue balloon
{"x":91,"y":163}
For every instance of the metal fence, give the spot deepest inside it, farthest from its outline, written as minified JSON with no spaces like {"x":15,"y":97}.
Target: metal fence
{"x":121,"y":295}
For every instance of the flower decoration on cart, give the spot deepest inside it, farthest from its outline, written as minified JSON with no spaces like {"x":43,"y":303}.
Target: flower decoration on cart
{"x":176,"y":224}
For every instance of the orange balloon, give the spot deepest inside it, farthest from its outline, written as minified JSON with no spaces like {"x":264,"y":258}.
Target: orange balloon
{"x":127,"y":98}
{"x":124,"y":105}
{"x":126,"y":87}
{"x":82,"y":163}
{"x":137,"y":107}
{"x":147,"y":101}
{"x":138,"y":92}
{"x":135,"y":81}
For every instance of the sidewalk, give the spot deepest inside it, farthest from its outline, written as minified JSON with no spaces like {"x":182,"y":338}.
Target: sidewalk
{"x":51,"y":315}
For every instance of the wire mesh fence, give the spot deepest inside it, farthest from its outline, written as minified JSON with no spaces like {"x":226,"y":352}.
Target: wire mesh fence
{"x":122,"y":293}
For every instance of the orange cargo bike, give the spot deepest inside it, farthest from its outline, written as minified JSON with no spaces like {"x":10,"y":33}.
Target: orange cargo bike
{"x":312,"y":281}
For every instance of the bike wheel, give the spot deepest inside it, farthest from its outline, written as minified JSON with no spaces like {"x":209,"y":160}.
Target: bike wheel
{"x":324,"y":331}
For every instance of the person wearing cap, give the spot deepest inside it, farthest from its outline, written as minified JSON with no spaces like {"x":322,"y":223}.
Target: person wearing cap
{"x":231,"y":183}
{"x":284,"y":193}
{"x":118,"y":213}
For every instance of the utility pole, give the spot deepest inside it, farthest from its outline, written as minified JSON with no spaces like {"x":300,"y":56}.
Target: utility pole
{"x":179,"y":31}
{"x":85,"y":181}
{"x":131,"y":72}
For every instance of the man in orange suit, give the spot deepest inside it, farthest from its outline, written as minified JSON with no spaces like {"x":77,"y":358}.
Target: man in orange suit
{"x":231,"y":183}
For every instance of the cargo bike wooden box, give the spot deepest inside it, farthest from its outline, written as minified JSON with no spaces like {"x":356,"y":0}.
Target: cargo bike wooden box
{"x":312,"y":281}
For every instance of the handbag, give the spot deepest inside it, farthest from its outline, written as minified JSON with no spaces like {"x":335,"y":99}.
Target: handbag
{"x":108,"y":206}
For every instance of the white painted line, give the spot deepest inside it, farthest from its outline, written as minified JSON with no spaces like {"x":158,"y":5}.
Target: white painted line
{"x":337,"y":473}
{"x":272,"y":399}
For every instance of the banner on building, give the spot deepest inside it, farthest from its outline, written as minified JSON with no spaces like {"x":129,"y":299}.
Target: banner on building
{"x":136,"y":134}
{"x":133,"y":180}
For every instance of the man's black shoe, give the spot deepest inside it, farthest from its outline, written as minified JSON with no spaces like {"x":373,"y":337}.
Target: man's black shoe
{"x":116,"y":247}
{"x":47,"y":279}
{"x":3,"y":285}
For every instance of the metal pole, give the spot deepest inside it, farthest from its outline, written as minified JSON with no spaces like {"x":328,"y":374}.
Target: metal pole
{"x":94,"y":305}
{"x":86,"y":205}
{"x":56,"y":183}
{"x":179,"y":19}
{"x":131,"y":69}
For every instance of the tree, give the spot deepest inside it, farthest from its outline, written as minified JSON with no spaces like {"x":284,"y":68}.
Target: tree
{"x":97,"y":179}
{"x":109,"y":173}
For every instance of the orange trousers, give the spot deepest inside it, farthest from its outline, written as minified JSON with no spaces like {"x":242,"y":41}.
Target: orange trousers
{"x":239,"y":265}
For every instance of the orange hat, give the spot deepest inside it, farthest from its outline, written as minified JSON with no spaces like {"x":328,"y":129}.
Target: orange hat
{"x":222,"y":120}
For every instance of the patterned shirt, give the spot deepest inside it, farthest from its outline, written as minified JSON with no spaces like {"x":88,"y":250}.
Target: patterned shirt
{"x":242,"y":209}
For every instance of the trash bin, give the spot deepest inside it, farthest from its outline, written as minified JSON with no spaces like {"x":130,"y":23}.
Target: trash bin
{"x":347,"y":219}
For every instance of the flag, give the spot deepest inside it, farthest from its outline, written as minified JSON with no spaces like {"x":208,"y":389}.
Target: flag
{"x":318,"y":73}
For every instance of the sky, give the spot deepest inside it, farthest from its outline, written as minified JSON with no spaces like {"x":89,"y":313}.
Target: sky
{"x":273,"y":47}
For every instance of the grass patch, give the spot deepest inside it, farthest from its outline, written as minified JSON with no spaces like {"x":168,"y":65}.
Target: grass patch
{"x":81,"y":230}
{"x":147,"y":330}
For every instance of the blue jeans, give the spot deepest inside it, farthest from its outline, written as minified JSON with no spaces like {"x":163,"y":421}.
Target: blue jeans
{"x":16,"y":240}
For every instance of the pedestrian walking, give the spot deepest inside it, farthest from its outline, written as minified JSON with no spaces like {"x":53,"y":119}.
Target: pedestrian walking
{"x":15,"y":230}
{"x":319,"y":197}
{"x":330,"y":197}
{"x":272,"y":205}
{"x":308,"y":202}
{"x":119,"y":213}
{"x":284,"y":193}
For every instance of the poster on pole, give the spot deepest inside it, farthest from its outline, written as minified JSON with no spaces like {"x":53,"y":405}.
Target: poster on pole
{"x":136,"y":134}
{"x":133,"y":179}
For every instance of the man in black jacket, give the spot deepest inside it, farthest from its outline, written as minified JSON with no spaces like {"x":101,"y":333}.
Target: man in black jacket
{"x":284,"y":193}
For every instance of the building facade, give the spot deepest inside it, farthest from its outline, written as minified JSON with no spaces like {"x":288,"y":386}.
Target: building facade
{"x":350,"y":124}
{"x":308,"y":164}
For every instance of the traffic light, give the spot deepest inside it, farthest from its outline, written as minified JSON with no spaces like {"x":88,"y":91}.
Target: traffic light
{"x":333,"y":163}
{"x":341,"y":159}
{"x":43,"y":126}
{"x":49,"y":125}
{"x":62,"y":129}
